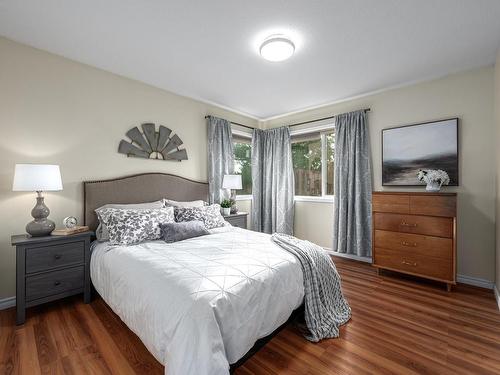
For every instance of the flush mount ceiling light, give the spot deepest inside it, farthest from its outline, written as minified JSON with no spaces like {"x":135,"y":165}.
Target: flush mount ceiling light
{"x":277,"y":48}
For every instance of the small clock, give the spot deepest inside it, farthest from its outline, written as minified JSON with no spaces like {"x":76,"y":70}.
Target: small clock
{"x":70,"y":222}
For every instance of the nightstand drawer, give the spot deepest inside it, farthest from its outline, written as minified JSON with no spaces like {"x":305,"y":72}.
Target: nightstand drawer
{"x":49,"y":257}
{"x":238,"y":221}
{"x":55,"y":282}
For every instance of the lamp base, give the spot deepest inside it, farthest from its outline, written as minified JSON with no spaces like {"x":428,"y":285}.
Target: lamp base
{"x":234,"y":209}
{"x":41,"y":226}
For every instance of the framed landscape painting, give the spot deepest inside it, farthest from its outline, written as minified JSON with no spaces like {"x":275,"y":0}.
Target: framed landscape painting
{"x":407,"y":149}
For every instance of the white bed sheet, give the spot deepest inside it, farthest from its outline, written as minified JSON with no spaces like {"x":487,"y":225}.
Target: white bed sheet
{"x":200,"y":304}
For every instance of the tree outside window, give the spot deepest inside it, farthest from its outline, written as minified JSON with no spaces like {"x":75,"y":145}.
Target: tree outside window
{"x":243,"y":166}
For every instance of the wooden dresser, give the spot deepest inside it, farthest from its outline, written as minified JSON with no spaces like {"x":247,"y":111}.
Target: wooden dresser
{"x":415,"y":233}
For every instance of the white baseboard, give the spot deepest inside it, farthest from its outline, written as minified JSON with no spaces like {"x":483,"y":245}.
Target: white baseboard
{"x":497,"y":295}
{"x":348,"y":256}
{"x":8,"y":302}
{"x":482,"y":283}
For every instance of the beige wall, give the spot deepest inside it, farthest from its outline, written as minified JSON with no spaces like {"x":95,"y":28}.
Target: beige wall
{"x":313,"y":221}
{"x":468,"y":96}
{"x":497,"y":120}
{"x":53,"y":110}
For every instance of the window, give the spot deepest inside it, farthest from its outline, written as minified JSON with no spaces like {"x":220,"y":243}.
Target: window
{"x":313,"y":163}
{"x":243,"y":163}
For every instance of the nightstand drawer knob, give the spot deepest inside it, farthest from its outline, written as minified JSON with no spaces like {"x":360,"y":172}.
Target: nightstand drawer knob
{"x":57,"y":256}
{"x":57,"y":283}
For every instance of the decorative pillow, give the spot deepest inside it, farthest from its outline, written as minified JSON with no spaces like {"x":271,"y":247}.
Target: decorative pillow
{"x":128,"y":227}
{"x":101,"y":232}
{"x":209,"y":215}
{"x":172,"y":203}
{"x":173,"y":232}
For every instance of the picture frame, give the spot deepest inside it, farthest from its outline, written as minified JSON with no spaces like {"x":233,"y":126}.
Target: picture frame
{"x":427,"y":145}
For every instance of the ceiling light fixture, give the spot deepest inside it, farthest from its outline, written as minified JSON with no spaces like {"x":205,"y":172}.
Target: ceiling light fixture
{"x":277,"y":48}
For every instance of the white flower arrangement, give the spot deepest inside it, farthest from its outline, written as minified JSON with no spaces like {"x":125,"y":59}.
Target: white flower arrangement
{"x":434,"y":178}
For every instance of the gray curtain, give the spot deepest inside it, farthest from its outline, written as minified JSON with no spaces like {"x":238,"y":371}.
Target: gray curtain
{"x":220,"y":155}
{"x":272,"y":181}
{"x":353,"y":186}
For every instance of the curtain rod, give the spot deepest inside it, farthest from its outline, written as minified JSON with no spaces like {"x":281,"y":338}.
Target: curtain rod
{"x":321,"y":119}
{"x":236,"y":123}
{"x":298,"y":123}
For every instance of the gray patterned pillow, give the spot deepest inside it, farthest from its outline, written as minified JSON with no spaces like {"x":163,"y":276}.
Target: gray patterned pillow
{"x":209,"y":215}
{"x":101,"y":232}
{"x":128,"y":226}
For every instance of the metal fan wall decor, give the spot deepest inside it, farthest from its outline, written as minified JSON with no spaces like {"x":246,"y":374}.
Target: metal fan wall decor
{"x":152,"y":144}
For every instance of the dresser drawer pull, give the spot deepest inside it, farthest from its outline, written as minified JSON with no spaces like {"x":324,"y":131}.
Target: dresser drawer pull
{"x":405,"y":224}
{"x":57,"y":283}
{"x":404,"y":243}
{"x":414,"y":264}
{"x":57,"y":256}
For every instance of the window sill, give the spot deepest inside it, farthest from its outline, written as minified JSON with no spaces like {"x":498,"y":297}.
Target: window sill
{"x":303,"y":198}
{"x":243,"y":197}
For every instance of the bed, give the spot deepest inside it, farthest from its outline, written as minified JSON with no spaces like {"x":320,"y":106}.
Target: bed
{"x":201,"y":304}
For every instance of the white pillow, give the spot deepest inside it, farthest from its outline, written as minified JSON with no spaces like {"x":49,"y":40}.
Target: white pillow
{"x":101,"y":232}
{"x":131,"y":226}
{"x":172,"y":203}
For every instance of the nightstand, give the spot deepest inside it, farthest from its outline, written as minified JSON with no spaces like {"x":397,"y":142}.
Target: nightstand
{"x":49,"y":268}
{"x":237,"y":220}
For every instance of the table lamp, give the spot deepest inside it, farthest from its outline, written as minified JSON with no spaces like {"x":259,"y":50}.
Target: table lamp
{"x":39,"y":178}
{"x":233,"y":182}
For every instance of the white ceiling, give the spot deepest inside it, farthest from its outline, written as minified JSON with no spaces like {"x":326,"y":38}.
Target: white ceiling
{"x":208,"y":50}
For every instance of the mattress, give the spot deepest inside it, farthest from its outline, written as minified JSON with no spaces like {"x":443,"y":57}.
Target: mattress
{"x":200,"y":304}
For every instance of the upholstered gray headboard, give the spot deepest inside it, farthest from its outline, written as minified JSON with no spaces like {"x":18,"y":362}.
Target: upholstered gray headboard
{"x":146,"y":187}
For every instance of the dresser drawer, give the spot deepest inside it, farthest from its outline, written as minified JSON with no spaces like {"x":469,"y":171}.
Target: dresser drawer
{"x":442,"y":205}
{"x":54,"y":282}
{"x":417,"y":244}
{"x":395,"y":203}
{"x":427,"y":225}
{"x":49,"y":257}
{"x":436,"y":268}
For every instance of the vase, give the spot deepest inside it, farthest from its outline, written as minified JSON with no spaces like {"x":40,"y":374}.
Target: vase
{"x":433,"y":186}
{"x":226,"y":211}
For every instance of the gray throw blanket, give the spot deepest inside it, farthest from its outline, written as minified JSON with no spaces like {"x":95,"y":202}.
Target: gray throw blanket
{"x":325,"y":307}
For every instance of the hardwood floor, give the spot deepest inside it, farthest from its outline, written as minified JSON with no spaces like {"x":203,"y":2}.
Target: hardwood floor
{"x":398,"y":326}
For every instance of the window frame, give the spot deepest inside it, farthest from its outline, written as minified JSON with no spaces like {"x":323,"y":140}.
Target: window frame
{"x":323,"y":129}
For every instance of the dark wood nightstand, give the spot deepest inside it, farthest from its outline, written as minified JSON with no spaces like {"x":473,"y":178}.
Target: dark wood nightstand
{"x":49,"y":268}
{"x":237,"y":220}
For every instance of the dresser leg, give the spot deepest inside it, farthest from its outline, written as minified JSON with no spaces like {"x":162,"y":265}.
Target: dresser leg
{"x":20,"y":313}
{"x":448,"y":287}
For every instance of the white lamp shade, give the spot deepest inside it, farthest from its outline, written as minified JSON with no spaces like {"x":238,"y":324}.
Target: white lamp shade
{"x":37,"y":177}
{"x":231,"y":181}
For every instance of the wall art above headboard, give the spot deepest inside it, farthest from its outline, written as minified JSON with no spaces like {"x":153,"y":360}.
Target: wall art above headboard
{"x":152,"y":144}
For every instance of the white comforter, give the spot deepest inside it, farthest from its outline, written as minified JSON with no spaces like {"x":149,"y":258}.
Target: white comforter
{"x":200,"y":304}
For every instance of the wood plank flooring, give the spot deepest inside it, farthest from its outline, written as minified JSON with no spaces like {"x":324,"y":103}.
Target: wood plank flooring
{"x":398,"y":326}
